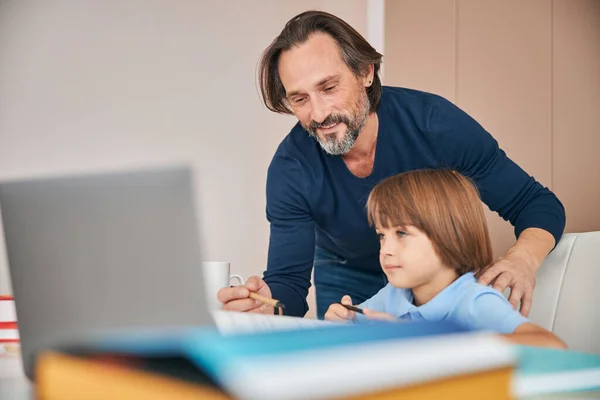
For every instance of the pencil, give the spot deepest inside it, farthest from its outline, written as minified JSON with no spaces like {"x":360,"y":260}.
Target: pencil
{"x":352,"y":308}
{"x":266,"y":300}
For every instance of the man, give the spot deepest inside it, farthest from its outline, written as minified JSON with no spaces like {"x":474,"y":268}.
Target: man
{"x":322,"y":71}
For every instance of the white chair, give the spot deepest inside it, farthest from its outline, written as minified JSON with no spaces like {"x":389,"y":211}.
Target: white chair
{"x":566,"y":299}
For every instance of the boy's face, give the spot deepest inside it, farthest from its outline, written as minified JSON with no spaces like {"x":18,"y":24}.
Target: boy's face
{"x":407,"y":257}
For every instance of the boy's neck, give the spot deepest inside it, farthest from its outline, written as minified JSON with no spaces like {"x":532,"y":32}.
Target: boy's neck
{"x":424,"y":293}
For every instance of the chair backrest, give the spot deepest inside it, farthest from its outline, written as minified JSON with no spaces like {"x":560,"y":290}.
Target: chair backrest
{"x":566,"y":299}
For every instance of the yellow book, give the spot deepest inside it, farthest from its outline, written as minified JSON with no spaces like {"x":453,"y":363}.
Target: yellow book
{"x":489,"y":385}
{"x":66,"y":377}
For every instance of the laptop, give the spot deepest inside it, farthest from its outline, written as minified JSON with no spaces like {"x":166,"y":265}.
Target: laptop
{"x":100,"y":251}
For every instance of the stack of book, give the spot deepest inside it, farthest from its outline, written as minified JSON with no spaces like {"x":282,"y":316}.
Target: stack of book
{"x":412,"y":360}
{"x":373,"y":361}
{"x":9,"y":332}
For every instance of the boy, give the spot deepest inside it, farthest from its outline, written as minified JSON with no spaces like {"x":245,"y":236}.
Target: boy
{"x":433,"y":240}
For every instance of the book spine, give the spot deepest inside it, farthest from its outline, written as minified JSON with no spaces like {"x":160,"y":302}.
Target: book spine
{"x":9,"y":330}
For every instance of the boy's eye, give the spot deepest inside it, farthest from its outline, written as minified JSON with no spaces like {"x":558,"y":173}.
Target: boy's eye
{"x":380,"y":236}
{"x":401,"y":233}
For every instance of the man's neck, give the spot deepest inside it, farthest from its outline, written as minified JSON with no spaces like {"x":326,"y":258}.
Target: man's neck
{"x":366,"y":143}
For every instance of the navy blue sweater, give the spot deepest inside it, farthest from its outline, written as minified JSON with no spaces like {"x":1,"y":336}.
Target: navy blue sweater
{"x":313,"y":199}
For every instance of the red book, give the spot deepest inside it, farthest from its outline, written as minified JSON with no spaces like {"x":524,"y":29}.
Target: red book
{"x":9,"y":325}
{"x":9,"y":331}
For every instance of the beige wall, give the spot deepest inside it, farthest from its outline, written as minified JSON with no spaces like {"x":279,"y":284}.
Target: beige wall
{"x":528,"y":71}
{"x":97,"y":85}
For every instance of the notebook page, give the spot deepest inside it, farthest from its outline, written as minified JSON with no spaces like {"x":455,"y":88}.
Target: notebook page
{"x":229,"y":322}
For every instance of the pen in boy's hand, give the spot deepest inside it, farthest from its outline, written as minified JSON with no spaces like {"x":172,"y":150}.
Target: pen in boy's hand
{"x":352,"y":308}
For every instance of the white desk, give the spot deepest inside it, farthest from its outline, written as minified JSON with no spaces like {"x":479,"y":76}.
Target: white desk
{"x":13,"y":383}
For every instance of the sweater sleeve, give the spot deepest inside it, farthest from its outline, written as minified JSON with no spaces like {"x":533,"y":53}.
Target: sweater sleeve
{"x":462,"y":144}
{"x":292,"y":235}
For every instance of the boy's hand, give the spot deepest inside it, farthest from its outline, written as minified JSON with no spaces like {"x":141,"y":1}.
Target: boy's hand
{"x":337,"y":312}
{"x":377,"y":315}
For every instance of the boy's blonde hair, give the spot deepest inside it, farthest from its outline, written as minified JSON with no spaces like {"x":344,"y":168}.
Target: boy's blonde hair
{"x":445,"y":206}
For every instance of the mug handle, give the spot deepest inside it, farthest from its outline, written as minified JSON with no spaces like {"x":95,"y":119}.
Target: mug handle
{"x":238,"y":277}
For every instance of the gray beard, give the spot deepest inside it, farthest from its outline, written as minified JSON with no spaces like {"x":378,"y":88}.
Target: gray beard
{"x":330,"y":143}
{"x":335,"y":147}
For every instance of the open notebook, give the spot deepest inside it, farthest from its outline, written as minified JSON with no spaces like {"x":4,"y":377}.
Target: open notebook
{"x":229,"y":322}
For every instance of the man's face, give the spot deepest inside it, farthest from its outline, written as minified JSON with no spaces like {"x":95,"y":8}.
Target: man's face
{"x":328,"y":99}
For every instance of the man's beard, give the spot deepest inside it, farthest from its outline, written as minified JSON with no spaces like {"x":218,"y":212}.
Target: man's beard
{"x":355,"y":123}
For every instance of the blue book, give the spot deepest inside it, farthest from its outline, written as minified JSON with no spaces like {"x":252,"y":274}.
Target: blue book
{"x":544,"y":371}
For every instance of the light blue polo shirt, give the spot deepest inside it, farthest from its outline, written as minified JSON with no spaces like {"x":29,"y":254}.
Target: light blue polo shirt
{"x":464,"y":302}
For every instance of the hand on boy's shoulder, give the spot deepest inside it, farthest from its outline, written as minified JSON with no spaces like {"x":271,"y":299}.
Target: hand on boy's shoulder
{"x":516,"y":270}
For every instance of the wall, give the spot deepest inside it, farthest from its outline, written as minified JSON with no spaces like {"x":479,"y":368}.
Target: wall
{"x":103,"y":85}
{"x":528,"y":71}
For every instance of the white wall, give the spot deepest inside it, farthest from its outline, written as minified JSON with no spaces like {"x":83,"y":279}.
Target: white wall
{"x":100,"y":85}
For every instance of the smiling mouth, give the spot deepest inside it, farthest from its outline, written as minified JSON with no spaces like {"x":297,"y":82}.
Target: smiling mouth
{"x":330,"y":126}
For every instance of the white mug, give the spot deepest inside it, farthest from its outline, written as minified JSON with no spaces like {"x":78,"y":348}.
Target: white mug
{"x":216,"y":276}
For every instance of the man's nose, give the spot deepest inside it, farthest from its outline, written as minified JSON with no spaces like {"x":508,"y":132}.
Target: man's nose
{"x":318,"y":110}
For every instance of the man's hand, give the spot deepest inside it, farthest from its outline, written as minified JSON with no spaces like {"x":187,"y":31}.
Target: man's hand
{"x":517,"y":268}
{"x":236,"y":298}
{"x":517,"y":271}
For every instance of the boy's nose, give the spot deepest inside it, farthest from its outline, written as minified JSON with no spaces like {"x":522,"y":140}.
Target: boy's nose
{"x":386,"y":249}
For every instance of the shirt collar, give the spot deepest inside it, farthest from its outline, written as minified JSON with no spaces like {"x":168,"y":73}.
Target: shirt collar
{"x":438,"y":308}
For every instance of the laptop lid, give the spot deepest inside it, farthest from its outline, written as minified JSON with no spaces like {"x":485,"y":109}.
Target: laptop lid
{"x":102,"y":251}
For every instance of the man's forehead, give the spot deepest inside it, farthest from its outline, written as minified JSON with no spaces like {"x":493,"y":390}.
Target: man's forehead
{"x":310,"y":64}
{"x":319,"y":45}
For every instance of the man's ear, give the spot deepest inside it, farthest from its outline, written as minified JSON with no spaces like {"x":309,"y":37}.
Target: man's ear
{"x":369,"y":76}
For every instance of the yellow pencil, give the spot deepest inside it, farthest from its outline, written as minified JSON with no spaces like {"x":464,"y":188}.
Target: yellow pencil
{"x":266,"y":300}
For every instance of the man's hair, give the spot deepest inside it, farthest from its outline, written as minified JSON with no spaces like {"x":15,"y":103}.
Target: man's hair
{"x":442,"y":204}
{"x":356,"y":52}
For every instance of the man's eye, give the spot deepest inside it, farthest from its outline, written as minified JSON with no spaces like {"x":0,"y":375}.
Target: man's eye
{"x":330,"y":88}
{"x":299,"y":100}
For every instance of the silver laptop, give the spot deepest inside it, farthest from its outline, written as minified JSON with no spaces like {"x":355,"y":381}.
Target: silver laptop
{"x":103,"y":251}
